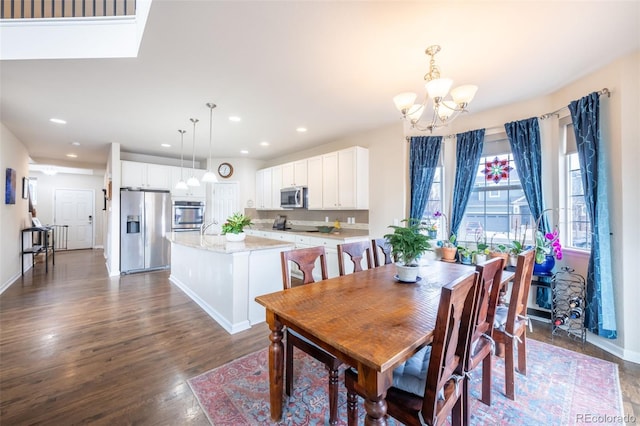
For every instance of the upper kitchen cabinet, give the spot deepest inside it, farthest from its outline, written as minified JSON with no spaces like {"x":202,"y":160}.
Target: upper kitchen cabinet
{"x":192,"y":192}
{"x":345,"y":179}
{"x":145,"y":175}
{"x":294,"y":174}
{"x":314,"y":183}
{"x":264,"y":191}
{"x":276,"y":185}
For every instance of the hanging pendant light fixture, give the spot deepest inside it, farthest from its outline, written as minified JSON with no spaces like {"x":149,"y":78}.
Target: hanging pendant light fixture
{"x":181,"y":183}
{"x":193,"y":180}
{"x":444,"y":110}
{"x":210,"y":176}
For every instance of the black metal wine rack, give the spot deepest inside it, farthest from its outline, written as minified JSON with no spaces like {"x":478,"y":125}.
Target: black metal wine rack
{"x":568,"y":304}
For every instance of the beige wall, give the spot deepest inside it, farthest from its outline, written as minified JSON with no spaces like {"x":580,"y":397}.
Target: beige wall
{"x":47,"y":186}
{"x":621,"y":133}
{"x":13,"y":217}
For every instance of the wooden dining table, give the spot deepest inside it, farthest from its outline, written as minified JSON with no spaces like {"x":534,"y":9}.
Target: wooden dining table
{"x":369,"y":320}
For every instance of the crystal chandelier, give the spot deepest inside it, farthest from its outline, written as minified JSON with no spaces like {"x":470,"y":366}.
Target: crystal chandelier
{"x":444,"y":110}
{"x":209,"y":176}
{"x":193,"y":180}
{"x":181,"y":183}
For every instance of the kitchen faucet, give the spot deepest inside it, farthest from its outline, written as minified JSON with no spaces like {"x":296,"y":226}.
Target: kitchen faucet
{"x":204,"y":227}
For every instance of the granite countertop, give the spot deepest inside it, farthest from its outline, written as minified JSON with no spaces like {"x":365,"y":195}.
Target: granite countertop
{"x":341,"y":234}
{"x":219,"y":244}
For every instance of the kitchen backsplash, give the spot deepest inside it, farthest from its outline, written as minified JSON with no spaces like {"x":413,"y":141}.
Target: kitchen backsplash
{"x":312,"y":217}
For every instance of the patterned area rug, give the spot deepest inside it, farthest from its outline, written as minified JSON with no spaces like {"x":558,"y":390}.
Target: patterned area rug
{"x":561,"y":388}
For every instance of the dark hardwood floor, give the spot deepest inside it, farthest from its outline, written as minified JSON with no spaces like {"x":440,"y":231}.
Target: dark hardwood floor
{"x":78,"y":346}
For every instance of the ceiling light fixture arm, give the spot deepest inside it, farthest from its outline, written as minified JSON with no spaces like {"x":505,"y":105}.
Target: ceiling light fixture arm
{"x":444,"y":110}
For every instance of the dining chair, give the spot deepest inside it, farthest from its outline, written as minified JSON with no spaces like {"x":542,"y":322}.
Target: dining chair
{"x":381,"y":245}
{"x":426,"y":387}
{"x":510,"y":322}
{"x":481,"y":345}
{"x":356,"y":251}
{"x":306,"y":259}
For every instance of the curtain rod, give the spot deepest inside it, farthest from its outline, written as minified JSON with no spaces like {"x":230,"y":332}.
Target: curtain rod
{"x":602,"y":92}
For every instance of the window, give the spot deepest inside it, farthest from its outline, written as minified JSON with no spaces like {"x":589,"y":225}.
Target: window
{"x":499,"y":209}
{"x":577,"y":217}
{"x":434,"y":204}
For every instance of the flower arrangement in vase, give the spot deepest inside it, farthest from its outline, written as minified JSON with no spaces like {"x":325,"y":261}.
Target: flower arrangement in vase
{"x":547,"y":246}
{"x":447,"y":245}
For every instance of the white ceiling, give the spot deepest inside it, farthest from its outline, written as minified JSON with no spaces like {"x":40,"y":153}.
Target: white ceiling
{"x":332,"y":67}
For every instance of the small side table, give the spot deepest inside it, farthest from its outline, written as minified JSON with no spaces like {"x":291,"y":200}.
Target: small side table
{"x":46,"y":240}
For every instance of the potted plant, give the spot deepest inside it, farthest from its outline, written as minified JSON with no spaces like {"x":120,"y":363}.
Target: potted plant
{"x":448,"y":246}
{"x":465,"y":254}
{"x":514,"y":250}
{"x":408,"y":243}
{"x":499,"y":250}
{"x":482,"y":248}
{"x":233,"y":228}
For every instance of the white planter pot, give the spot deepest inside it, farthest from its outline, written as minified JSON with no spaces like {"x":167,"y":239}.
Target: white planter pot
{"x":513,"y":260}
{"x":407,"y":274}
{"x":235,"y":237}
{"x":481,"y":258}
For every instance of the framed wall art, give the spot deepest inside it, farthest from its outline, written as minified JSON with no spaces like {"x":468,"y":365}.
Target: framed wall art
{"x":10,"y":187}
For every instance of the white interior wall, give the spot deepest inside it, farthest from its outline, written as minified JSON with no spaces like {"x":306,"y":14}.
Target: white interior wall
{"x":13,"y":217}
{"x":622,"y":133}
{"x":46,"y":203}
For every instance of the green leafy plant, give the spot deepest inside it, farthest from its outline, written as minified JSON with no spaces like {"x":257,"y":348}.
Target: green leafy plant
{"x":464,"y":251}
{"x":481,"y":244}
{"x":516,"y":248}
{"x":235,"y":223}
{"x":408,"y":242}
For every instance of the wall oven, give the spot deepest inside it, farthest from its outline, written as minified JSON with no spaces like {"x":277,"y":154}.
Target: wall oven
{"x":293,"y":198}
{"x":187,"y":215}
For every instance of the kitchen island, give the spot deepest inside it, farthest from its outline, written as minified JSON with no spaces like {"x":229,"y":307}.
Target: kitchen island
{"x":225,"y":277}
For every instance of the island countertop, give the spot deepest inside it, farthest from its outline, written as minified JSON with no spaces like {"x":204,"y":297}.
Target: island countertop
{"x":219,"y":244}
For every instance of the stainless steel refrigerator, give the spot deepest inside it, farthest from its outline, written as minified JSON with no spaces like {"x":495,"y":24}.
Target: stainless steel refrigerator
{"x":145,"y":220}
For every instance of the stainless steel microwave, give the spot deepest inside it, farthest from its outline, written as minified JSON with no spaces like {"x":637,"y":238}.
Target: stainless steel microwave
{"x":187,"y":215}
{"x":294,"y":197}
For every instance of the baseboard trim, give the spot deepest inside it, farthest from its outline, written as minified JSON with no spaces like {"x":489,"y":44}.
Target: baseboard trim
{"x":610,"y":347}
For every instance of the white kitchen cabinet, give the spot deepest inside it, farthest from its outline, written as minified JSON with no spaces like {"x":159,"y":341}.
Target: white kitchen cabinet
{"x":336,"y":181}
{"x":294,"y":174}
{"x":192,"y":192}
{"x":345,"y":179}
{"x":145,"y":175}
{"x":314,"y":184}
{"x":264,"y":196}
{"x":276,"y":185}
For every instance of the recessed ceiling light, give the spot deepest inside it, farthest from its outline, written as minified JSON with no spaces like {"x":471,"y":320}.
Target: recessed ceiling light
{"x":235,"y":118}
{"x":57,"y":121}
{"x":75,"y":143}
{"x":165,"y":145}
{"x":264,"y":143}
{"x":72,"y":155}
{"x":301,"y":129}
{"x":244,"y":151}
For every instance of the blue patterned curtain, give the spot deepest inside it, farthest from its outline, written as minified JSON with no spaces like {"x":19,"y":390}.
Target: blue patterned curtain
{"x":524,"y":137}
{"x":468,"y":153}
{"x":424,"y":154}
{"x":600,"y":315}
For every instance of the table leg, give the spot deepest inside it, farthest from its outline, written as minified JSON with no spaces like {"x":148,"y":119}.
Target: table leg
{"x":376,"y":411}
{"x":276,"y":366}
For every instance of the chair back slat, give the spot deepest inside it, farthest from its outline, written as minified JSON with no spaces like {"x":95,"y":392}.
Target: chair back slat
{"x":356,"y":251}
{"x":450,"y":345}
{"x":490,"y":277}
{"x":381,"y":246}
{"x":306,"y":259}
{"x":520,"y":289}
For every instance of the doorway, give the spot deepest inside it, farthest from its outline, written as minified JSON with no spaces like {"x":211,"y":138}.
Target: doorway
{"x":75,"y":208}
{"x":224,"y":203}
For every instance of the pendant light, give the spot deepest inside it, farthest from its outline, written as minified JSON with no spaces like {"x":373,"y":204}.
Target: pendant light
{"x":193,"y":180}
{"x":181,"y":183}
{"x":210,"y":176}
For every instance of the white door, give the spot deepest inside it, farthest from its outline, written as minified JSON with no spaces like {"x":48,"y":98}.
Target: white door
{"x":224,"y":204}
{"x":75,"y":208}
